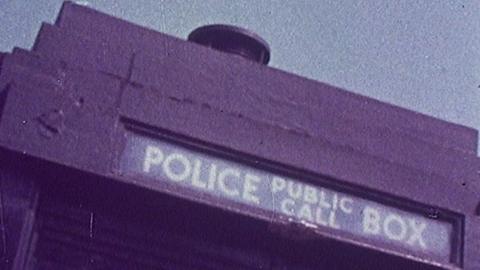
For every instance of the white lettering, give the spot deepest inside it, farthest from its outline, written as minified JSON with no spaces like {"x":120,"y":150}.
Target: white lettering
{"x":212,"y":176}
{"x":392,"y":221}
{"x":417,"y":230}
{"x":250,"y":186}
{"x":153,"y":156}
{"x":293,"y":192}
{"x":196,"y":182}
{"x":305,"y":213}
{"x":170,"y":172}
{"x":346,"y":205}
{"x":310,"y":194}
{"x":223,"y":186}
{"x":323,"y":202}
{"x":278,"y":184}
{"x":318,"y":217}
{"x":331,"y":220}
{"x":302,"y":201}
{"x":334,"y":201}
{"x":371,"y":221}
{"x":287,"y":207}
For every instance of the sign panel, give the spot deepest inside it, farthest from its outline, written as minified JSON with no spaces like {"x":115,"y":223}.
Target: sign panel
{"x":312,"y":204}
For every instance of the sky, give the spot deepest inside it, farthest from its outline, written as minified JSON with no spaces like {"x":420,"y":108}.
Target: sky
{"x":420,"y":55}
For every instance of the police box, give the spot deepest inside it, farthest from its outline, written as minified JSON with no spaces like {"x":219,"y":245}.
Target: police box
{"x":125,"y":148}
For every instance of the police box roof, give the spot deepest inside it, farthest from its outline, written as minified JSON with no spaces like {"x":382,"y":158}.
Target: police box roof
{"x":90,"y":79}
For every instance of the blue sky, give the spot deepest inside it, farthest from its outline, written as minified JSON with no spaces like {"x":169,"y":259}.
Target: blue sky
{"x":421,"y":55}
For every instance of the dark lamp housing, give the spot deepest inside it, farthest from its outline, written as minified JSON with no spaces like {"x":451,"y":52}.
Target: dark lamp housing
{"x":232,"y":39}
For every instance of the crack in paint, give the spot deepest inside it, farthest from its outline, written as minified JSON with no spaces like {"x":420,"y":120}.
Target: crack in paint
{"x":294,"y":130}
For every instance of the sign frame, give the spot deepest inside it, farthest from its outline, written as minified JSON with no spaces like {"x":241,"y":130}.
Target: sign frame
{"x":133,"y":128}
